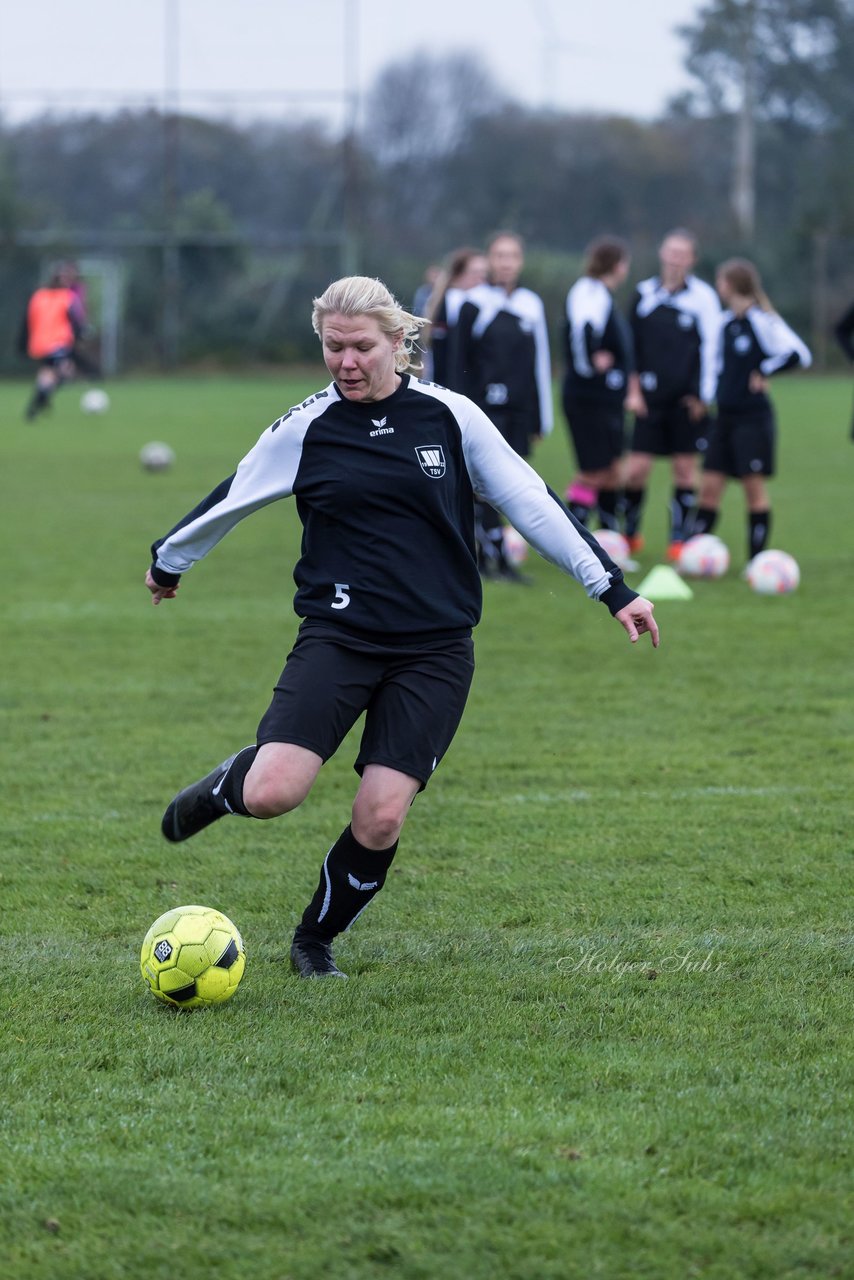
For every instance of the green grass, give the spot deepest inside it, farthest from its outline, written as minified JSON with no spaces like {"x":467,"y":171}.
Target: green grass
{"x":599,"y":1021}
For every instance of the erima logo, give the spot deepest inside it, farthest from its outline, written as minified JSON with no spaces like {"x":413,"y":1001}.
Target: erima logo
{"x":162,"y":951}
{"x":356,"y":884}
{"x":432,"y":460}
{"x":381,"y":428}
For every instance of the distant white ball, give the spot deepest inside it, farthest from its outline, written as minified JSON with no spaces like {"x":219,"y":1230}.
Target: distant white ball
{"x":773,"y":573}
{"x":95,"y":400}
{"x":515,"y":547}
{"x":704,"y":557}
{"x":156,"y":456}
{"x":615,"y":545}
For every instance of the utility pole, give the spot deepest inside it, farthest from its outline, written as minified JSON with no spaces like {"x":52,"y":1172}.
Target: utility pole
{"x":743,"y":198}
{"x":549,"y":51}
{"x":351,"y":254}
{"x":171,"y":259}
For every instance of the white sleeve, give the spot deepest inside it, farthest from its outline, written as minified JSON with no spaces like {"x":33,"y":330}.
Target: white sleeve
{"x":266,"y":473}
{"x":505,"y":480}
{"x":709,"y":325}
{"x":778,"y":341}
{"x":543,"y":370}
{"x":454,"y":299}
{"x":587,"y":303}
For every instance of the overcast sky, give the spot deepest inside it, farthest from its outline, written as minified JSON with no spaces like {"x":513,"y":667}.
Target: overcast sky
{"x":604,"y":55}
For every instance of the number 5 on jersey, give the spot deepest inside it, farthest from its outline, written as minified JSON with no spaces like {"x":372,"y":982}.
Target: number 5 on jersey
{"x":342,"y":599}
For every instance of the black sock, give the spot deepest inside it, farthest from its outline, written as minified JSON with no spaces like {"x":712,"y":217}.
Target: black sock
{"x":703,"y":520}
{"x":632,"y":507}
{"x":350,"y":877}
{"x":40,"y":400}
{"x":228,"y":792}
{"x":496,"y":538}
{"x":681,"y":508}
{"x":607,"y":508}
{"x":489,"y":536}
{"x":758,"y":532}
{"x":581,"y":511}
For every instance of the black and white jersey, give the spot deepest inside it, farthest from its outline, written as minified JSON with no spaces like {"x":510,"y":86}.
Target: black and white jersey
{"x":443,"y":322}
{"x":844,"y":332}
{"x":499,"y":353}
{"x":759,"y":341}
{"x":594,"y":324}
{"x":385,"y":492}
{"x":675,"y":339}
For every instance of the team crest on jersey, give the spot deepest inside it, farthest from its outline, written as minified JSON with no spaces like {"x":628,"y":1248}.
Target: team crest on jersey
{"x":432,"y":460}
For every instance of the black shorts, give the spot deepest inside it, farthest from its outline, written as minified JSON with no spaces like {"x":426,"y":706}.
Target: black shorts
{"x":517,"y":426}
{"x":597,"y":430}
{"x":56,"y":359}
{"x":413,"y":696}
{"x":743,"y":445}
{"x":668,"y":429}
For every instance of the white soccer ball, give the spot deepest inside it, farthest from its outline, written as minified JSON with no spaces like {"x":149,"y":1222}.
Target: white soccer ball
{"x":773,"y":573}
{"x":515,"y":547}
{"x":156,"y":456}
{"x":615,"y":545}
{"x":95,"y":400}
{"x":704,"y":556}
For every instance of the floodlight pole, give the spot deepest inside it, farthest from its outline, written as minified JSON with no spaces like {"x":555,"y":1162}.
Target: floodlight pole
{"x":550,"y":47}
{"x":170,"y":320}
{"x":352,"y":220}
{"x":743,"y":199}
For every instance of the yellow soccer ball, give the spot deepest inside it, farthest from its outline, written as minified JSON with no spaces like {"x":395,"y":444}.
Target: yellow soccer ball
{"x":192,"y":957}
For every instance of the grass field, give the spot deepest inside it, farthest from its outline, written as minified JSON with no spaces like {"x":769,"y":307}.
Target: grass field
{"x":599,"y":1021}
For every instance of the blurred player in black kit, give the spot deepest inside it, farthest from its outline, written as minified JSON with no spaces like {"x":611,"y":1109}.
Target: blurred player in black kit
{"x":675,"y":319}
{"x":383,"y":468}
{"x":844,"y":333}
{"x":754,"y":344}
{"x":499,"y":358}
{"x":465,"y":268}
{"x":598,"y":364}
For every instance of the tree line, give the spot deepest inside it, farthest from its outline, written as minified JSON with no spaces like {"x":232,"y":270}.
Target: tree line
{"x":231,"y":229}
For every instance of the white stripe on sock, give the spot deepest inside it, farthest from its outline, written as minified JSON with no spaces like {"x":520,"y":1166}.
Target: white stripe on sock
{"x":327,"y":898}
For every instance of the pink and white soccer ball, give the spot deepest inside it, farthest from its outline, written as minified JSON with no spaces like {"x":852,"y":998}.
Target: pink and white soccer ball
{"x":704,"y":556}
{"x":515,"y":547}
{"x":615,"y":545}
{"x":773,"y":573}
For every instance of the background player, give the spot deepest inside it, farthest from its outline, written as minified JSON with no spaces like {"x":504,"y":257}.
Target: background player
{"x":755,"y":343}
{"x":465,"y":268}
{"x":53,"y":322}
{"x":675,"y":319}
{"x":598,"y":363}
{"x":844,"y":332}
{"x":499,"y":357}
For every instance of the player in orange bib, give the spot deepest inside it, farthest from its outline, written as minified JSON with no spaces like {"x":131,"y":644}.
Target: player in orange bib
{"x":52,"y":324}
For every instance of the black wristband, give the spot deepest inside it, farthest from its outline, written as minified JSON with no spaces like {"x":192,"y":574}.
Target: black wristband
{"x":164,"y":579}
{"x":617,"y":597}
